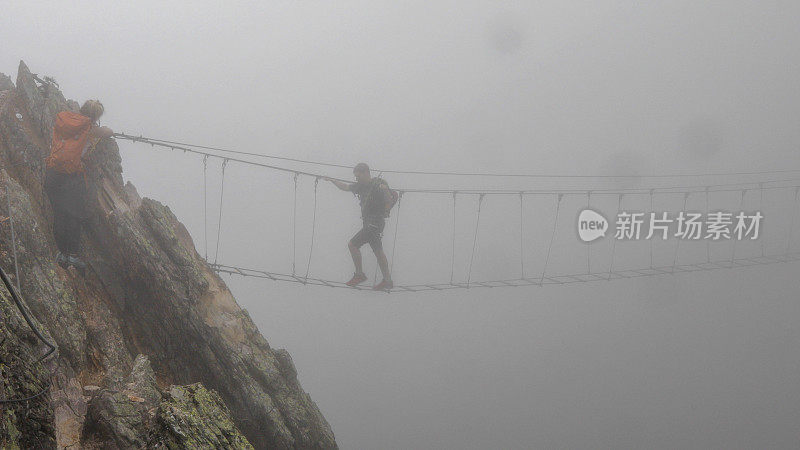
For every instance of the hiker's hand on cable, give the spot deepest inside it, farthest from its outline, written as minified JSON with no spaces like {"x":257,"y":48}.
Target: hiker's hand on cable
{"x":102,"y":132}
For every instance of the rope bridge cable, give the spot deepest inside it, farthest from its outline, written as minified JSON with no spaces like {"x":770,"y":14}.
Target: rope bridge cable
{"x":452,"y":173}
{"x":543,"y":279}
{"x":187,"y":149}
{"x":581,"y":277}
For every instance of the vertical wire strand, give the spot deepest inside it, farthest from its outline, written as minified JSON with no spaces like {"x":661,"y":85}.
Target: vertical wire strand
{"x":219,"y":220}
{"x":708,"y":242}
{"x":791,"y":221}
{"x":588,"y":247}
{"x":521,"y":235}
{"x":205,"y":205}
{"x":453,"y":254}
{"x":375,"y":273}
{"x":475,"y":239}
{"x":313,"y":230}
{"x":614,"y":242}
{"x":652,"y":216}
{"x":733,"y":238}
{"x":552,"y":237}
{"x":396,"y":226}
{"x":761,"y":206}
{"x":294,"y":227}
{"x":678,"y":245}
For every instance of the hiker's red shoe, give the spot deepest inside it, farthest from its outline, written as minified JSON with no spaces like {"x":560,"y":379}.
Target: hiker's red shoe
{"x":384,"y":285}
{"x":357,"y":279}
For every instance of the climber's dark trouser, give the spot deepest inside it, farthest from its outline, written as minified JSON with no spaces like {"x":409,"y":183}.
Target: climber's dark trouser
{"x":67,"y":193}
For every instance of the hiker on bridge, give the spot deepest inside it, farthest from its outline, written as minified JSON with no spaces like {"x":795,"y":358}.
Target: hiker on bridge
{"x":376,"y":201}
{"x":75,"y":134}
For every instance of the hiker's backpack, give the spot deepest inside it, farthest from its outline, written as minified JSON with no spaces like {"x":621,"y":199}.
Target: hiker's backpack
{"x":395,"y":195}
{"x":70,"y":135}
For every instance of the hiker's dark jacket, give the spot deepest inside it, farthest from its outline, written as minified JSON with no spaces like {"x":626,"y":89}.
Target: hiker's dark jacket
{"x":369,"y":193}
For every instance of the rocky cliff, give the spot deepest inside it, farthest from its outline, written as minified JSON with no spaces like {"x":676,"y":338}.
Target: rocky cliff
{"x":153,"y":350}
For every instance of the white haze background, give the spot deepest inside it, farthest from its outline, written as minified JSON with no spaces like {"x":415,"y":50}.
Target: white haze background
{"x":703,"y":360}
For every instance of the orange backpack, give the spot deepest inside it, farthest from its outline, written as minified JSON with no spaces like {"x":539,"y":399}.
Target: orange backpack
{"x":70,"y":135}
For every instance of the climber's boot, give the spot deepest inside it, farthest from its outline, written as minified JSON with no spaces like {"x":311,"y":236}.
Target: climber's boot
{"x":62,"y":260}
{"x":357,"y":279}
{"x":384,"y":285}
{"x":78,"y":264}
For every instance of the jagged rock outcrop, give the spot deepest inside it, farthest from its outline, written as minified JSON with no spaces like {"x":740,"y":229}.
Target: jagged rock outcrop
{"x":194,"y":417}
{"x":146,"y":292}
{"x":136,"y":414}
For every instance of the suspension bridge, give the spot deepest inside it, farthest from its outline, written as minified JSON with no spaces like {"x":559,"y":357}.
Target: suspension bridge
{"x":764,"y":182}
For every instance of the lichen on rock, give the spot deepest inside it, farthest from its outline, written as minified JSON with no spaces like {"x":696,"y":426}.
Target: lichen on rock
{"x":195,"y":417}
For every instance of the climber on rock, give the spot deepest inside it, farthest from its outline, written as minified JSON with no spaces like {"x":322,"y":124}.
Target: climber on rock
{"x":376,"y":201}
{"x":75,"y":135}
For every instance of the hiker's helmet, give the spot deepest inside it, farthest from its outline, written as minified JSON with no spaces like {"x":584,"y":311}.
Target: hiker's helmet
{"x":92,"y":109}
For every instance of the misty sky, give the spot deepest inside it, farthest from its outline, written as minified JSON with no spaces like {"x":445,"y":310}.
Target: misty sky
{"x":702,"y":360}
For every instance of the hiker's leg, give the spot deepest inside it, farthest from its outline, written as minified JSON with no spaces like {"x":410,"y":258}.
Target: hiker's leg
{"x":356,"y":254}
{"x":75,"y":194}
{"x":375,"y":228}
{"x":60,"y":230}
{"x":356,"y":242}
{"x":74,"y":235}
{"x":383,"y":263}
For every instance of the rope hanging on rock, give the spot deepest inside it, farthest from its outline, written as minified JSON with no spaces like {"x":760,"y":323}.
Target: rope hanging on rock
{"x":52,"y":347}
{"x":13,"y":233}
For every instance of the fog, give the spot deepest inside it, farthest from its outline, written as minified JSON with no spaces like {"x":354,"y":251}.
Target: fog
{"x":706,"y":359}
